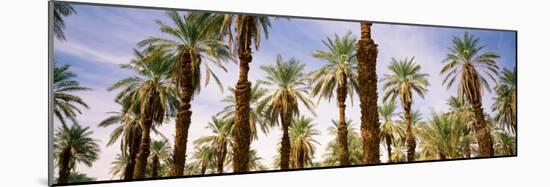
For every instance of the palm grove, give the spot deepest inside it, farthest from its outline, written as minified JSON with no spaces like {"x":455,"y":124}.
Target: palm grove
{"x":168,"y":71}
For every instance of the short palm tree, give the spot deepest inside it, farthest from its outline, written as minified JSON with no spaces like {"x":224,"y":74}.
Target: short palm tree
{"x":443,"y":137}
{"x":160,"y":151}
{"x":129,"y":133}
{"x":255,"y":164}
{"x":464,"y":114}
{"x":247,"y":29}
{"x":151,"y":93}
{"x":389,"y":128}
{"x":73,"y":145}
{"x":466,"y":63}
{"x":256,"y":117}
{"x":65,"y":103}
{"x":505,"y":103}
{"x":338,"y":75}
{"x":288,"y":86}
{"x":195,"y":41}
{"x":302,"y":141}
{"x":332,"y":157}
{"x":119,"y":165}
{"x":61,"y":10}
{"x":76,"y":177}
{"x":203,"y":158}
{"x":405,"y":80}
{"x":219,"y":141}
{"x":505,"y":143}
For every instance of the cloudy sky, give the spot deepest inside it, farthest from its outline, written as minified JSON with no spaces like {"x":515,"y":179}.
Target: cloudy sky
{"x":101,"y":38}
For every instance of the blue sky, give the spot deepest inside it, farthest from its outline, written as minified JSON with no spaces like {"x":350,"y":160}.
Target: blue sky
{"x":100,"y":38}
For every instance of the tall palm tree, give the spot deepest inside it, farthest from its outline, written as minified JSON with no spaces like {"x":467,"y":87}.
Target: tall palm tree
{"x":151,"y":92}
{"x":338,"y":75}
{"x":219,"y":141}
{"x":302,"y":134}
{"x":367,"y":51}
{"x":255,"y":116}
{"x":61,"y":10}
{"x":287,"y":87}
{"x":160,"y":151}
{"x":505,"y":103}
{"x":247,"y":29}
{"x":389,"y":128}
{"x":129,"y":133}
{"x":119,"y":165}
{"x":332,"y":157}
{"x":467,"y":62}
{"x":405,"y":80}
{"x":194,"y":41}
{"x":65,"y":103}
{"x":73,"y":145}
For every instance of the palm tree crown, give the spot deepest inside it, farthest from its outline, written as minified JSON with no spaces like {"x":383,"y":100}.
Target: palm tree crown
{"x":65,"y":103}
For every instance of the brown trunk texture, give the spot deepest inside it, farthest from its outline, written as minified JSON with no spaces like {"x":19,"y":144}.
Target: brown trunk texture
{"x":300,"y":163}
{"x":409,"y":138}
{"x":221,"y":158}
{"x":483,"y":135}
{"x":135,"y":141}
{"x":64,"y":168}
{"x":342,"y":134}
{"x":367,"y":52}
{"x":388,"y":147}
{"x":145,"y":144}
{"x":241,"y":133}
{"x":285,"y":142}
{"x":155,"y":167}
{"x":183,"y":117}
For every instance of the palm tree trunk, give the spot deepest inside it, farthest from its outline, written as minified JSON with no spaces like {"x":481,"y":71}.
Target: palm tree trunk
{"x":221,"y":158}
{"x":135,"y":141}
{"x":367,"y":79}
{"x":409,"y":138}
{"x":155,"y":167}
{"x":183,"y":117}
{"x":483,"y":135}
{"x":204,"y":166}
{"x":285,"y":142}
{"x":145,"y":144}
{"x":64,"y":168}
{"x":388,"y":147}
{"x":241,"y":133}
{"x":342,"y":134}
{"x":301,"y":159}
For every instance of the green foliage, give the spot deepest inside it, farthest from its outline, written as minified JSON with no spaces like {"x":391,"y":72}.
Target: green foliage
{"x":65,"y":103}
{"x":78,"y":140}
{"x":505,"y":102}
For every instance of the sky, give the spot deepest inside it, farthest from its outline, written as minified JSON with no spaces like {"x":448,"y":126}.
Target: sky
{"x":100,"y":38}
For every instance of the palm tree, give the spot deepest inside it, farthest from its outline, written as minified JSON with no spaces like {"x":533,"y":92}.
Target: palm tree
{"x":203,"y":157}
{"x":443,"y":136}
{"x":65,"y":103}
{"x":405,"y":80}
{"x":398,"y":153}
{"x":302,"y":142}
{"x":160,"y":151}
{"x":255,"y":116}
{"x":196,"y":43}
{"x":466,"y":61}
{"x":464,"y":114}
{"x":287,"y":86}
{"x":338,"y":75}
{"x":389,"y":129}
{"x":332,"y":157}
{"x":61,"y":10}
{"x":151,"y":93}
{"x":73,"y":145}
{"x":505,"y":143}
{"x":255,"y":164}
{"x":248,"y":29}
{"x":129,"y":133}
{"x":505,"y":103}
{"x":119,"y":165}
{"x":76,"y":177}
{"x":367,"y":79}
{"x":219,"y":141}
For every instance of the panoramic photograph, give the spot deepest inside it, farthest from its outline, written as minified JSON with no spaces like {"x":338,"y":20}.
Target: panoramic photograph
{"x":143,"y":93}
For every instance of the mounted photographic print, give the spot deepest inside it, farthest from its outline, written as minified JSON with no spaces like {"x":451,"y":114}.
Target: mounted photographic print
{"x":140,"y":93}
